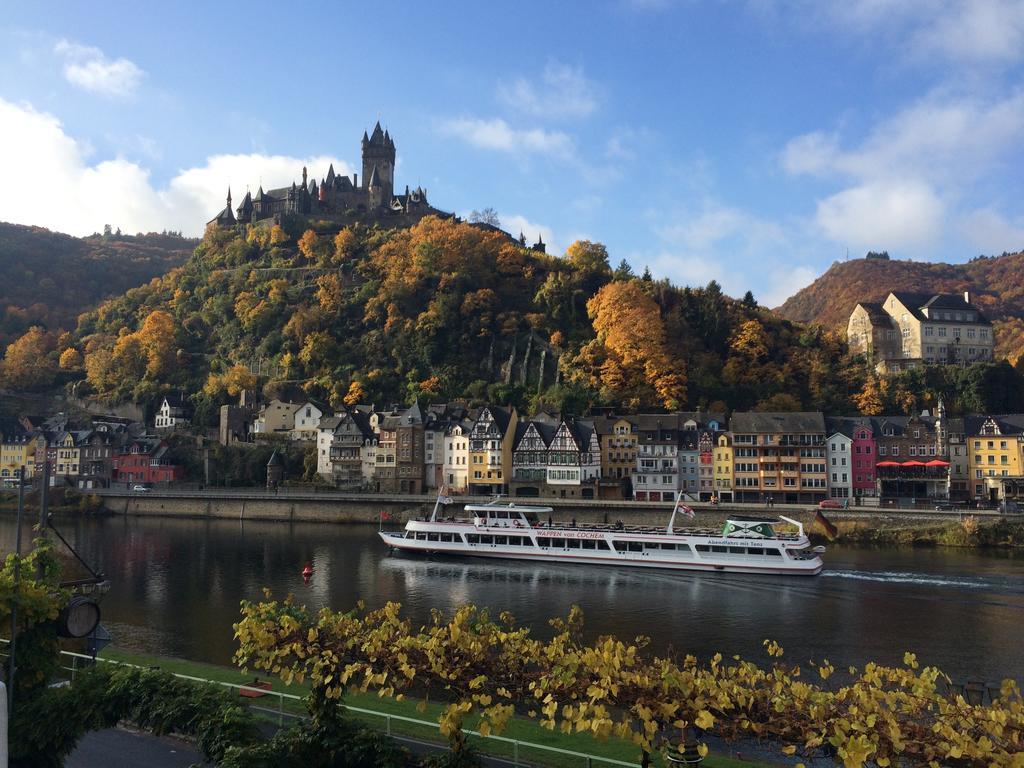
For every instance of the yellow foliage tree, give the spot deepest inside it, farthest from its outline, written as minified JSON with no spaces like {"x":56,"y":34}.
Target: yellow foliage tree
{"x":870,"y":399}
{"x":156,"y":338}
{"x":278,"y":235}
{"x":751,"y":340}
{"x":71,"y":360}
{"x":345,"y":244}
{"x":309,"y":245}
{"x":355,"y":395}
{"x":28,"y":363}
{"x":329,"y":292}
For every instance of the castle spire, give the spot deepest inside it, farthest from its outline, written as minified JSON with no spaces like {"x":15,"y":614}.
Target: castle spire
{"x":229,"y":198}
{"x":304,"y":176}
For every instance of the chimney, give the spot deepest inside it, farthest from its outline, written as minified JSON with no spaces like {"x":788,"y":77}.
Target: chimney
{"x":967,"y":297}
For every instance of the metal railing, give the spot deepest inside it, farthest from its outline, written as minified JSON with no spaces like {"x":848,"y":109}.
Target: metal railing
{"x":518,"y":746}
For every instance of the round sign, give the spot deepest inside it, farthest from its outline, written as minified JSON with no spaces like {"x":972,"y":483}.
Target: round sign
{"x":79,"y":618}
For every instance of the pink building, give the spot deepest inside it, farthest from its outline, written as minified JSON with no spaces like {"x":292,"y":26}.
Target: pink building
{"x":865,"y":456}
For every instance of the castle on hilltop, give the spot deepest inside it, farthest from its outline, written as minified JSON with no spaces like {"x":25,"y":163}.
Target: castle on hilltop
{"x":339,"y":197}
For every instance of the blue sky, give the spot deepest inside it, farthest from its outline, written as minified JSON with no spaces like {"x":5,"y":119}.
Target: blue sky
{"x":750,"y":142}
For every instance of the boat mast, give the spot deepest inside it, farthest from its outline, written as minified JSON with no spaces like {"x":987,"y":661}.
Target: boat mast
{"x":672,"y":519}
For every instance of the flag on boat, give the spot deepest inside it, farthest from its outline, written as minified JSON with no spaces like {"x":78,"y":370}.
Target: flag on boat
{"x":385,"y":515}
{"x":680,"y":507}
{"x":443,"y":497}
{"x":828,"y":528}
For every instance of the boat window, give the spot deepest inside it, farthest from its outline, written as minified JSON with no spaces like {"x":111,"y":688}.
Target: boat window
{"x":719,"y":549}
{"x":636,"y":546}
{"x":473,"y":538}
{"x":737,"y":550}
{"x":501,"y":539}
{"x":573,"y":543}
{"x":421,"y":536}
{"x":652,"y":545}
{"x":590,"y":544}
{"x":773,"y":552}
{"x":755,"y":551}
{"x":668,"y":546}
{"x":486,"y":539}
{"x":433,"y":537}
{"x":543,"y":541}
{"x":602,"y":544}
{"x":703,"y":548}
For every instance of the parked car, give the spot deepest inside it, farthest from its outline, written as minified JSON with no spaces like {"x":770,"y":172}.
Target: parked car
{"x":830,"y":504}
{"x":140,"y":489}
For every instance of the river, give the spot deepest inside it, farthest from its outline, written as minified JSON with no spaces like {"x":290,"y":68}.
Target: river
{"x":176,"y":585}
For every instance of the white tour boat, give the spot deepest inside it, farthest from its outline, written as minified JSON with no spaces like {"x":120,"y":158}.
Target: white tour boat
{"x":525,"y":532}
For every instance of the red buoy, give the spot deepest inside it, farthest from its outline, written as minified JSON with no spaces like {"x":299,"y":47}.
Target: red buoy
{"x":307,"y":573}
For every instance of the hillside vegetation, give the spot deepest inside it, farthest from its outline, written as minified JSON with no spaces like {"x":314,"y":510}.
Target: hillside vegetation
{"x":50,"y":278}
{"x":996,"y":285}
{"x":445,"y":310}
{"x":450,"y":310}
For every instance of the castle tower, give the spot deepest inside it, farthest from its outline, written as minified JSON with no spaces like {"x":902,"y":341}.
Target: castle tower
{"x":379,"y":151}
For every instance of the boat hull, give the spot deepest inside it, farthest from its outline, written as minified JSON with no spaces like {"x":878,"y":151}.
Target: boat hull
{"x":644,"y":559}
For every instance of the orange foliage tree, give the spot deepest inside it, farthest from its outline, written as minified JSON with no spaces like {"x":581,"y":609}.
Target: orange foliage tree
{"x":631,"y":331}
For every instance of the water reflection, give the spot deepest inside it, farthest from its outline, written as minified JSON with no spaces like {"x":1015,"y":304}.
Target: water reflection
{"x":176,"y":585}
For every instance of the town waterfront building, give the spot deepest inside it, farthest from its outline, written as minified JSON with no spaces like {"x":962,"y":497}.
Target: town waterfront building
{"x":839,"y":453}
{"x":723,"y":464}
{"x":994,"y":455}
{"x":490,"y":450}
{"x":779,"y":457}
{"x":909,"y":329}
{"x":864,"y":458}
{"x":174,"y":412}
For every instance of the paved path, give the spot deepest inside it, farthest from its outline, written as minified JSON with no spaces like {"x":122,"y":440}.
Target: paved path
{"x":123,"y":748}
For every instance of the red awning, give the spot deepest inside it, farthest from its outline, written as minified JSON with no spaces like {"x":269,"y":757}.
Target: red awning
{"x":887,"y":464}
{"x":913,"y":464}
{"x":937,"y":463}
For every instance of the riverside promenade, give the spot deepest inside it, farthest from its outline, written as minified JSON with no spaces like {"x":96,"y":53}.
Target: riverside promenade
{"x":326,"y":506}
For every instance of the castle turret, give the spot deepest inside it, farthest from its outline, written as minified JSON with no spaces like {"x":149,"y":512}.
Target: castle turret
{"x":539,"y":245}
{"x":379,"y":151}
{"x":375,"y":190}
{"x":245,"y":209}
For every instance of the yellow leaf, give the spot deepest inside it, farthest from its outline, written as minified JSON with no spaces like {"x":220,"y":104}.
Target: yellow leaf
{"x":704,"y":719}
{"x":789,"y":750}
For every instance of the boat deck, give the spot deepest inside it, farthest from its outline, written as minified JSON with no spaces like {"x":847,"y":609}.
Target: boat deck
{"x":639,"y":529}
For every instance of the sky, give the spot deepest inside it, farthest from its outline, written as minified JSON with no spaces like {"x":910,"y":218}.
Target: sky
{"x":749,"y":142}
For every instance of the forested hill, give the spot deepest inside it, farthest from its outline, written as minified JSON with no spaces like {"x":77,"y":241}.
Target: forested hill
{"x":50,"y":278}
{"x":444,"y":310}
{"x":996,"y":285}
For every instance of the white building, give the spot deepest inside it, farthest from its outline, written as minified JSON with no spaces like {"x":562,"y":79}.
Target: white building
{"x":307,"y":420}
{"x":839,"y":457}
{"x":174,"y":412}
{"x":455,"y":460}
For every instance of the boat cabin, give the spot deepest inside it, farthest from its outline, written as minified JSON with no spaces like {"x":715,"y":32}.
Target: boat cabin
{"x":506,"y":516}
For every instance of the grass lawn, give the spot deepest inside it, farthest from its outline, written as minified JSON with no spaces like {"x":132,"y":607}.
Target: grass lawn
{"x":520,"y":728}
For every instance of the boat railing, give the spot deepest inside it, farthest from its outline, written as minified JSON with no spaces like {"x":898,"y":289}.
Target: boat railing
{"x":606,"y":528}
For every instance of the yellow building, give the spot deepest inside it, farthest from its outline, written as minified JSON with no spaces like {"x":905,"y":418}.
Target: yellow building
{"x":993,"y":451}
{"x":723,"y":467}
{"x":16,"y":452}
{"x":617,"y":436}
{"x":490,"y":450}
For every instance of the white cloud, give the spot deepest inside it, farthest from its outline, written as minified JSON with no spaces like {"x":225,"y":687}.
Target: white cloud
{"x":60,"y":189}
{"x":89,"y":69}
{"x":740,"y":250}
{"x":883,"y":215}
{"x":514,"y":223}
{"x":498,"y":135}
{"x":991,"y":234}
{"x":563,"y":92}
{"x":901,"y":178}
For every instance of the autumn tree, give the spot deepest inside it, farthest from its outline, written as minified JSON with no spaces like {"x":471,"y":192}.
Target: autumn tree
{"x":311,"y":246}
{"x":355,"y":395}
{"x":345,"y":245}
{"x":869,"y":400}
{"x":29,"y":362}
{"x":629,"y":326}
{"x":234,"y":381}
{"x":329,"y":292}
{"x":71,"y":360}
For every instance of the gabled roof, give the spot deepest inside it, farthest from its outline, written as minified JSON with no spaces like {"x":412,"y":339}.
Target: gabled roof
{"x":915,"y":302}
{"x":770,"y":422}
{"x":876,"y":313}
